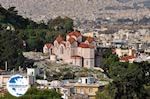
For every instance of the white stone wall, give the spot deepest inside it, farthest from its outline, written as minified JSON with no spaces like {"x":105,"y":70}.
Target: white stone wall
{"x":88,"y":55}
{"x":55,"y":49}
{"x":88,"y":52}
{"x":77,"y":61}
{"x":53,"y":57}
{"x":67,"y":37}
{"x":69,"y":50}
{"x":121,"y":52}
{"x":61,"y":51}
{"x":32,"y":72}
{"x":45,"y":49}
{"x":79,"y":39}
{"x":4,"y":79}
{"x":89,"y":63}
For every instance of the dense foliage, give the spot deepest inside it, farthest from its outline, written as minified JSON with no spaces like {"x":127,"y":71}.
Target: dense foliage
{"x":19,"y":34}
{"x":130,"y":80}
{"x":34,"y":93}
{"x":10,"y":49}
{"x":36,"y":38}
{"x":35,"y":34}
{"x":10,"y":16}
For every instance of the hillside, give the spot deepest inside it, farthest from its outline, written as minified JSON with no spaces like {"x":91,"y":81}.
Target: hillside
{"x":18,"y":34}
{"x":79,"y":9}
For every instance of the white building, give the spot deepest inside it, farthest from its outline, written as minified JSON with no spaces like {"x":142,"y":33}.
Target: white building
{"x":3,"y":80}
{"x":86,"y":80}
{"x":73,"y":50}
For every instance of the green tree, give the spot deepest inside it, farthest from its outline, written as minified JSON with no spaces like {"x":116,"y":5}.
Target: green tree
{"x":10,"y":49}
{"x":34,"y":34}
{"x":108,"y":59}
{"x":10,"y":16}
{"x":34,"y":93}
{"x":61,"y":24}
{"x":35,"y":44}
{"x":104,"y":94}
{"x":130,"y":80}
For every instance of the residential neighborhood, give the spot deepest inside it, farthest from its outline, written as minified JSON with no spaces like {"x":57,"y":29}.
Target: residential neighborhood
{"x":90,"y":49}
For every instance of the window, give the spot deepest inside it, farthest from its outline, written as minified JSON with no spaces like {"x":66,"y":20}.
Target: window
{"x":86,"y":62}
{"x":61,"y":50}
{"x":51,"y":51}
{"x":32,"y":73}
{"x":81,"y":91}
{"x":86,"y":81}
{"x":90,"y":89}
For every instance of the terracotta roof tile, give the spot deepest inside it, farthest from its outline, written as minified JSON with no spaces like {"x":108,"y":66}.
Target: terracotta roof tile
{"x":74,"y":33}
{"x":90,"y":39}
{"x":84,"y":45}
{"x":59,"y":39}
{"x":63,"y":42}
{"x":48,"y":45}
{"x":127,"y":58}
{"x":71,"y":40}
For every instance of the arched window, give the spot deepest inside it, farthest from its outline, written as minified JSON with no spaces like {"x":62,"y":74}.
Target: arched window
{"x":68,"y":44}
{"x":61,"y":50}
{"x":51,"y":51}
{"x":55,"y":44}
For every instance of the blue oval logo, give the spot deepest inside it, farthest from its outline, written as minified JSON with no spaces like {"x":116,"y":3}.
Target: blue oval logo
{"x":17,"y":85}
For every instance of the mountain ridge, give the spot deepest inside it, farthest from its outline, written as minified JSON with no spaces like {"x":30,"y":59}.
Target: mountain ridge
{"x":79,"y":9}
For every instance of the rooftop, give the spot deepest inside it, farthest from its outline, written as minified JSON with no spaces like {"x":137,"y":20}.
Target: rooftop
{"x":84,"y":45}
{"x":75,"y":33}
{"x":87,"y":85}
{"x":71,"y":40}
{"x":48,"y":45}
{"x":59,"y":39}
{"x":90,"y":39}
{"x":127,"y":58}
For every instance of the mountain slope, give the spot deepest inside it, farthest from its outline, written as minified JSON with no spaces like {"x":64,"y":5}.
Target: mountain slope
{"x":82,"y":9}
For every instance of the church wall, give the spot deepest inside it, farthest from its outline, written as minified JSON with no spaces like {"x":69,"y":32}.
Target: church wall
{"x":67,"y":37}
{"x":65,"y":50}
{"x":45,"y":50}
{"x":79,"y":39}
{"x":61,"y":51}
{"x":77,"y":61}
{"x":88,"y":55}
{"x":88,"y":63}
{"x":55,"y":49}
{"x":88,"y":52}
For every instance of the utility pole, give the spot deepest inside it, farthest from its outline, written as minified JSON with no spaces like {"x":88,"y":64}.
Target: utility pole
{"x":6,"y":64}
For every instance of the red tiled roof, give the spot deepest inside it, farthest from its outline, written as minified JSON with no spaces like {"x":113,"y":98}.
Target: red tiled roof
{"x":71,"y":40}
{"x":59,"y":39}
{"x":90,"y":39}
{"x":127,"y":58}
{"x":84,"y":45}
{"x":48,"y":45}
{"x":63,"y":42}
{"x":74,"y":33}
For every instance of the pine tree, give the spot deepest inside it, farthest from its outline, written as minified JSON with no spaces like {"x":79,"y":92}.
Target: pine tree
{"x":10,"y":49}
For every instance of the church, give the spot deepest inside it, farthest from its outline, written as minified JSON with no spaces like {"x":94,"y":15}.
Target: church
{"x":72,"y":50}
